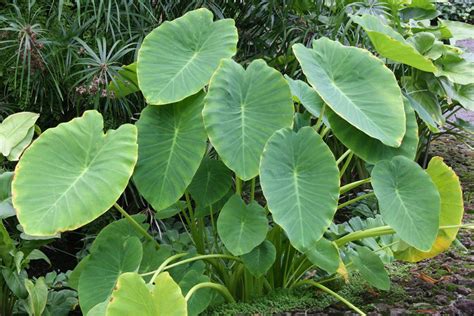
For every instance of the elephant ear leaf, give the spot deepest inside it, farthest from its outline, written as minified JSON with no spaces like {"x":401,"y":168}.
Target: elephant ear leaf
{"x":292,"y":170}
{"x":371,"y":268}
{"x":260,"y":259}
{"x":325,"y":255}
{"x":451,"y":214}
{"x":243,"y":108}
{"x":390,"y":44}
{"x":409,"y":200}
{"x":84,"y":174}
{"x":16,"y":133}
{"x":242,"y":227}
{"x":352,"y":82}
{"x":178,"y":58}
{"x":171,"y":144}
{"x":132,"y":294}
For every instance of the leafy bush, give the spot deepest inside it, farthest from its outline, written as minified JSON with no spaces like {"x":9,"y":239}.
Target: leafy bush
{"x":240,"y":156}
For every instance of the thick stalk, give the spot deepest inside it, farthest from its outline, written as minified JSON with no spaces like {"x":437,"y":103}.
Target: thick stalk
{"x":319,"y":122}
{"x":252,"y":190}
{"x":353,"y":185}
{"x":238,"y":185}
{"x":134,"y":223}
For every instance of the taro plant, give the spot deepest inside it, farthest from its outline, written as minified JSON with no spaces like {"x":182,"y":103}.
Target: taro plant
{"x":239,"y":157}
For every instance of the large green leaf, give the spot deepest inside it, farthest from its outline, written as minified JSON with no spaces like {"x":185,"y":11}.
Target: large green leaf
{"x":178,"y":58}
{"x":72,"y":174}
{"x":242,"y":227}
{"x":409,"y":200}
{"x":132,"y":296}
{"x":455,"y":68}
{"x":464,"y":94}
{"x":306,"y":95}
{"x":357,"y":86}
{"x":112,"y":258}
{"x":211,"y":182}
{"x":452,"y":210}
{"x":424,"y":102}
{"x":325,"y":255}
{"x":390,"y":44}
{"x":371,"y":268}
{"x":371,"y":149}
{"x":300,"y":180}
{"x":16,"y":132}
{"x":243,"y":108}
{"x":171,"y":144}
{"x":260,"y":259}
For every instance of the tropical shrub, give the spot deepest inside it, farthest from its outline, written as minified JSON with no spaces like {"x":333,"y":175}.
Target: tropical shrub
{"x":239,"y":155}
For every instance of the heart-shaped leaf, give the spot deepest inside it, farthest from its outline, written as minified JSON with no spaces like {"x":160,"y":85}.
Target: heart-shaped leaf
{"x":16,"y":132}
{"x":452,"y":210}
{"x":325,"y":255}
{"x":171,"y":144}
{"x":371,"y":268}
{"x":409,"y":200}
{"x":371,"y":149}
{"x":260,"y":259}
{"x":306,"y":95}
{"x":300,"y":180}
{"x":112,"y":257}
{"x":357,"y":86}
{"x":72,"y":174}
{"x":132,"y":294}
{"x":390,"y":44}
{"x":211,"y":182}
{"x":242,"y":227}
{"x":177,"y":59}
{"x":243,"y":108}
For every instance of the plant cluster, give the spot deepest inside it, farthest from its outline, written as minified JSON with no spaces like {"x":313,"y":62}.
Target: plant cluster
{"x":245,"y":168}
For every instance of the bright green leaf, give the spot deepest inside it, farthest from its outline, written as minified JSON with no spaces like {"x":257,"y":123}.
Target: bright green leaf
{"x":371,"y":149}
{"x":243,"y":108}
{"x":371,"y":268}
{"x":72,"y":174}
{"x":171,"y":144}
{"x":452,"y":210}
{"x":132,"y":295}
{"x":300,"y":180}
{"x":390,"y":44}
{"x":357,"y":86}
{"x":177,"y":59}
{"x":325,"y":255}
{"x":37,"y":296}
{"x":409,"y":200}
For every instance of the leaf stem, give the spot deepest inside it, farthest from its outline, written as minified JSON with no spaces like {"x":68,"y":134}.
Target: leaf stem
{"x":238,"y":185}
{"x":252,"y":190}
{"x":331,"y":292}
{"x":356,"y":199}
{"x":319,"y":122}
{"x":219,"y":287}
{"x":134,"y":223}
{"x":353,"y":185}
